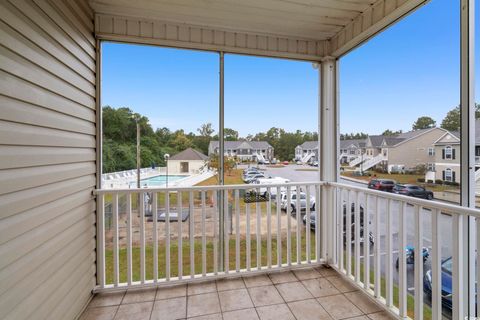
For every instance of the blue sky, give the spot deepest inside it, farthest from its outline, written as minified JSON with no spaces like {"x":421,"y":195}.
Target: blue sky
{"x":409,"y":70}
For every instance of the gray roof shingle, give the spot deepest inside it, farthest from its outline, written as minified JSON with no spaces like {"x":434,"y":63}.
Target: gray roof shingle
{"x":189,"y":154}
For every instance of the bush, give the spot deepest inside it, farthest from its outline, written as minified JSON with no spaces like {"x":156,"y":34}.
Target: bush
{"x":429,"y":181}
{"x":421,"y":180}
{"x":447,"y":183}
{"x":439,"y":181}
{"x":455,"y":184}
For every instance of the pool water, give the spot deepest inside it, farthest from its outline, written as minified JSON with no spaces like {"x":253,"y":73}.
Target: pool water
{"x":160,"y":180}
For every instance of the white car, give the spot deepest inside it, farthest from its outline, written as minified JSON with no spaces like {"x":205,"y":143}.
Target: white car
{"x":293,"y":201}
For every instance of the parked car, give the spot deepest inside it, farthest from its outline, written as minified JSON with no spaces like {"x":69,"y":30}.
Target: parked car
{"x":315,"y":163}
{"x":446,"y":276}
{"x":381,"y":184}
{"x":266,"y":161}
{"x":250,"y":178}
{"x":285,"y":163}
{"x":413,"y":190}
{"x":293,"y":201}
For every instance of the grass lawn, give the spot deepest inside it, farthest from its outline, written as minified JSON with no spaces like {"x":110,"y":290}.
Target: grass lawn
{"x":232,"y":177}
{"x":198,"y":256}
{"x":402,"y":178}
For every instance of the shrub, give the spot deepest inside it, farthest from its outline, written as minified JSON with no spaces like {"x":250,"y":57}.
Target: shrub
{"x":429,"y":181}
{"x":439,"y":181}
{"x":421,"y":180}
{"x":447,"y":183}
{"x":455,"y":184}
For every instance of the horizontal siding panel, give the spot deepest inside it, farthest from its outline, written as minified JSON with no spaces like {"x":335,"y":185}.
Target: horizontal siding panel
{"x":14,"y":203}
{"x":17,"y":88}
{"x":20,"y":223}
{"x":26,"y":70}
{"x":26,"y":156}
{"x":46,"y":24}
{"x":17,"y":21}
{"x":12,"y":180}
{"x":49,"y":250}
{"x":28,"y":135}
{"x":72,"y":272}
{"x":26,"y":113}
{"x":30,"y":51}
{"x":66,"y":27}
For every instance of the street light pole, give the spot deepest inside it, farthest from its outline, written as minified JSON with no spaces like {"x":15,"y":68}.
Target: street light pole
{"x":166,"y":157}
{"x":137,"y":119}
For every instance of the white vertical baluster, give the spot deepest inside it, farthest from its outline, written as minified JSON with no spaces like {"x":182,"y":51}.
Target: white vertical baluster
{"x":115,"y":240}
{"x":418,"y":264}
{"x":101,"y":239}
{"x":204,"y":236}
{"x":318,"y":224}
{"x":357,"y":237}
{"x":307,"y":226}
{"x":155,"y":235}
{"x":341,"y":251}
{"x":298,"y":217}
{"x":180,"y":234}
{"x":167,"y":235}
{"x":436,"y":267}
{"x":141,"y":206}
{"x":279,"y":228}
{"x":366,"y":244}
{"x":226,"y":232}
{"x":477,"y":221}
{"x":348,"y":233}
{"x":215,"y":233}
{"x":129,"y":238}
{"x":269,"y":230}
{"x":389,"y":271}
{"x":191,"y":233}
{"x":258,"y":232}
{"x":457,"y":270}
{"x":248,"y":243}
{"x":376,"y":252}
{"x":237,"y":230}
{"x":402,"y":261}
{"x":289,"y":223}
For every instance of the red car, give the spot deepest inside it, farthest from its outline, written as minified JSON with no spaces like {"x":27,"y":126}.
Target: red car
{"x":285,"y":163}
{"x":381,"y":184}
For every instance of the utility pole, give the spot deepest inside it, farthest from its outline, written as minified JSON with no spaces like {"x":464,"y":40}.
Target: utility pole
{"x":138,"y":152}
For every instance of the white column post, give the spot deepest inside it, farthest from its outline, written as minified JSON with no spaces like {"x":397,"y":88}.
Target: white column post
{"x":466,"y":285}
{"x":328,"y":147}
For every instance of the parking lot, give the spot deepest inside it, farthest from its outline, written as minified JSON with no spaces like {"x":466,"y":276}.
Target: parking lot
{"x":305,"y":173}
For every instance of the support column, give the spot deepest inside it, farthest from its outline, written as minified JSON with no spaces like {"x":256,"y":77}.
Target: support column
{"x":221,"y":161}
{"x":466,"y":286}
{"x":328,"y":146}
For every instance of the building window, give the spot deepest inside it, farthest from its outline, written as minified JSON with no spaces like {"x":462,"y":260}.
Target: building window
{"x":431,"y":167}
{"x":448,"y":153}
{"x":448,"y":175}
{"x":431,"y":151}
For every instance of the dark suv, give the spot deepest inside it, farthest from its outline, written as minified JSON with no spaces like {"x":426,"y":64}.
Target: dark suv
{"x":413,"y":191}
{"x":381,"y":184}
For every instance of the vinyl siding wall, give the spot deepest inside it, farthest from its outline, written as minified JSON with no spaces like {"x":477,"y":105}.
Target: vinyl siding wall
{"x":47,"y":158}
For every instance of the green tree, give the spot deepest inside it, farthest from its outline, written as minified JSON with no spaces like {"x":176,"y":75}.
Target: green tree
{"x":230,"y":134}
{"x":206,"y":130}
{"x":424,"y":123}
{"x":389,"y":132}
{"x":451,"y":122}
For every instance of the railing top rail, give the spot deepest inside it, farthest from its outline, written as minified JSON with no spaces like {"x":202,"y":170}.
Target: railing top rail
{"x":209,"y":188}
{"x":444,"y":207}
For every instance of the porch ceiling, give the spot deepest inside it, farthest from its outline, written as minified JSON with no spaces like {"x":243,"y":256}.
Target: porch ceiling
{"x":327,"y":27}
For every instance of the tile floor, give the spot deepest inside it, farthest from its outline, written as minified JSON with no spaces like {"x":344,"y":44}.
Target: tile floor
{"x":306,"y":294}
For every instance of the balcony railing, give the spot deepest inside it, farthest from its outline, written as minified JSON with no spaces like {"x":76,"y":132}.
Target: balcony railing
{"x":155,"y":237}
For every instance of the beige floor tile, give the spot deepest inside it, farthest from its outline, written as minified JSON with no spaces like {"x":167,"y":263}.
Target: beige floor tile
{"x":358,"y":318}
{"x":282,"y":277}
{"x":203,"y":287}
{"x":320,"y":287}
{"x":305,"y":274}
{"x":380,"y":316}
{"x":342,"y":284}
{"x":171,"y":292}
{"x":245,"y":314}
{"x":230,"y":284}
{"x":362,"y":302}
{"x":326,"y":272}
{"x":339,"y":307}
{"x":293,"y":291}
{"x":308,"y":310}
{"x":215,"y":316}
{"x":257,"y":281}
{"x":170,"y":309}
{"x":264,"y":296}
{"x":134,"y":311}
{"x":234,"y":299}
{"x":139,"y":295}
{"x":107,"y":299}
{"x":99,"y":313}
{"x":275,"y":312}
{"x":202,"y":304}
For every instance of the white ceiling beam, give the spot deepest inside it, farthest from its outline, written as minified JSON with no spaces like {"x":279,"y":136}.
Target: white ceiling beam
{"x":380,"y":15}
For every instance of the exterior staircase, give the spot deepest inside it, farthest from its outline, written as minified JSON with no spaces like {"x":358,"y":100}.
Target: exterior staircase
{"x":357,"y":160}
{"x":307,"y":157}
{"x":372,"y":162}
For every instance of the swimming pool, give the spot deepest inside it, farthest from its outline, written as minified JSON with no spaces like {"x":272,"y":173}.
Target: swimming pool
{"x":159,"y":181}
